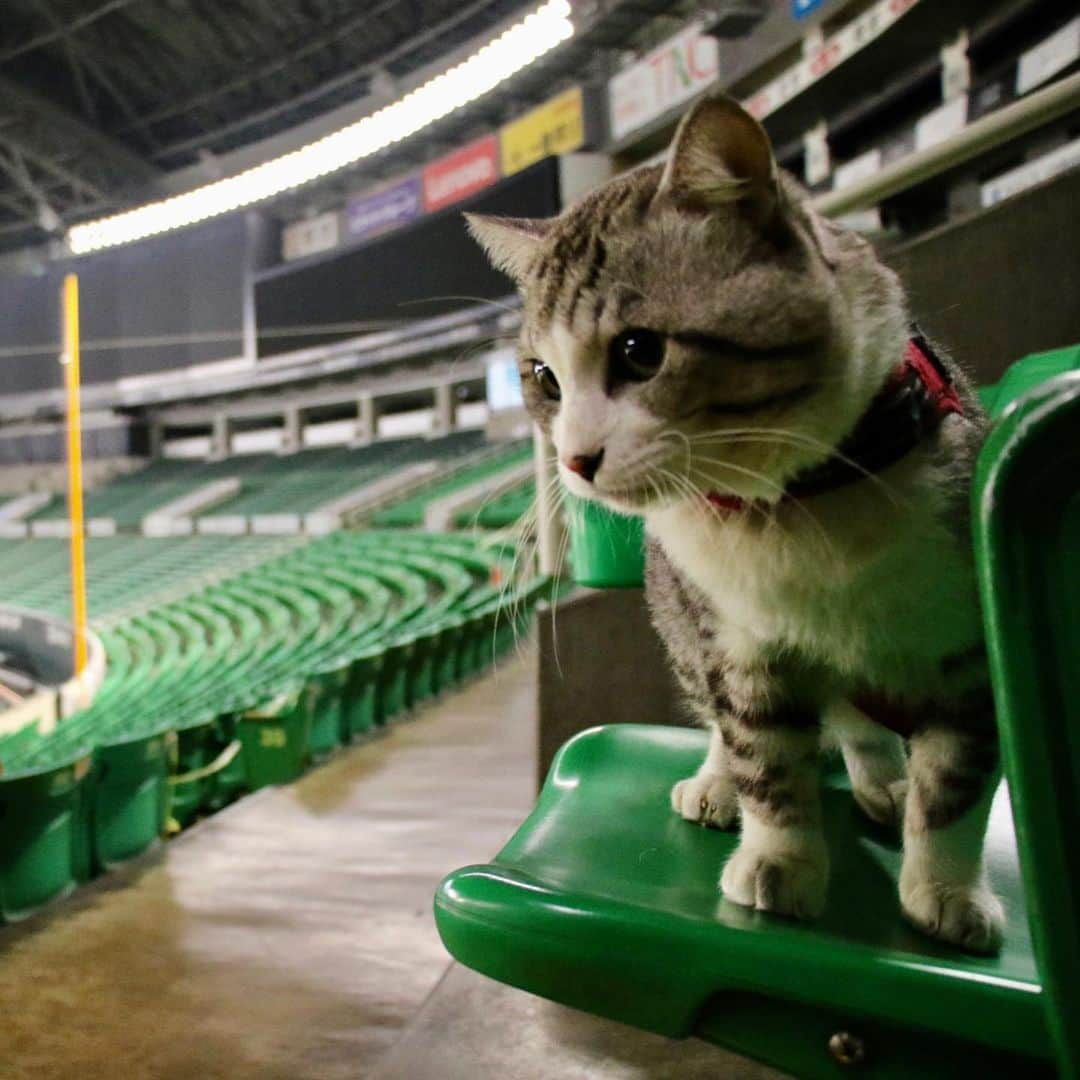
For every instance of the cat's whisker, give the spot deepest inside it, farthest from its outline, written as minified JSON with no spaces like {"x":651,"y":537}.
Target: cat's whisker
{"x":779,"y":490}
{"x":793,"y":438}
{"x":560,"y":559}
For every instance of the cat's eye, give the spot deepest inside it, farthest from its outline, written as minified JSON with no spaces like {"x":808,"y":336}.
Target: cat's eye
{"x":636,"y":354}
{"x":545,"y":379}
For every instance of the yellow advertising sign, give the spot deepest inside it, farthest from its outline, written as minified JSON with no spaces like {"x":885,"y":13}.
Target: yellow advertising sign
{"x":556,"y":127}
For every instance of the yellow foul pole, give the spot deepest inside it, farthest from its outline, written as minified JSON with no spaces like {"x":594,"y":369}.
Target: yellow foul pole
{"x":70,"y":360}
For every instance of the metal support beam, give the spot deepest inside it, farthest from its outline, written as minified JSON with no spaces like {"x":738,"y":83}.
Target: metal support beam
{"x":41,"y":40}
{"x":347,"y":78}
{"x":125,"y":161}
{"x":292,"y":431}
{"x":445,"y":409}
{"x":43,"y":212}
{"x":366,"y":418}
{"x":220,"y":438}
{"x":21,"y":147}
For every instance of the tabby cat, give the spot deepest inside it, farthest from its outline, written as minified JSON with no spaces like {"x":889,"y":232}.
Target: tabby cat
{"x":705,"y":350}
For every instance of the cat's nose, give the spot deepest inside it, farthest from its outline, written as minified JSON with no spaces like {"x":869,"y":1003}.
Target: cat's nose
{"x":585,"y":465}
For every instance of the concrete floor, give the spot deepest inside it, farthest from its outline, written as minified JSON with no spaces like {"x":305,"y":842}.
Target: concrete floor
{"x":472,"y":1028}
{"x":291,"y":937}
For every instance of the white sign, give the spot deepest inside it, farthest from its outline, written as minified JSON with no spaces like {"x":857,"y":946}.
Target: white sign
{"x":857,"y":169}
{"x":310,"y":236}
{"x":1049,"y":57}
{"x":822,"y":58}
{"x":955,"y":68}
{"x":1031,"y":173}
{"x":816,"y":154}
{"x":674,"y":72}
{"x":942,"y":123}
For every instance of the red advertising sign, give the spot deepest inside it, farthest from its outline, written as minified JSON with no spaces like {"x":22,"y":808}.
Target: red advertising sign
{"x":462,"y":173}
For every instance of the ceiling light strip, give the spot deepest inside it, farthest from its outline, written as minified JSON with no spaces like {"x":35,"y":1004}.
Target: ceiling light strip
{"x":491,"y":65}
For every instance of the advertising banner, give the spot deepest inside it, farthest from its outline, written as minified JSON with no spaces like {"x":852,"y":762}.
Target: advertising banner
{"x":309,"y":236}
{"x":674,"y":72}
{"x":387,"y":208}
{"x":461,"y":174}
{"x":834,"y":50}
{"x":556,"y":127}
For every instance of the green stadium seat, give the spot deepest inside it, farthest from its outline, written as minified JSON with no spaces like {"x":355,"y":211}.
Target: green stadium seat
{"x":39,"y":838}
{"x":607,"y":901}
{"x":1027,"y":536}
{"x":231,"y":663}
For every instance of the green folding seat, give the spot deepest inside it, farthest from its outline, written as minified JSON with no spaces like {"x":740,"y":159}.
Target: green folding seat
{"x":325,"y":691}
{"x":444,"y":636}
{"x":191,"y":782}
{"x":394,"y":678}
{"x":1027,"y":538}
{"x":607,"y":901}
{"x":361,"y":698}
{"x":40,"y":857}
{"x":129,"y":796}
{"x":230,"y":780}
{"x":274,"y":737}
{"x":1030,"y":372}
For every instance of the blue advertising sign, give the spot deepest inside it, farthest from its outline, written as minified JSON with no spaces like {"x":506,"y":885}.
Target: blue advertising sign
{"x":385,"y":209}
{"x":801,"y":8}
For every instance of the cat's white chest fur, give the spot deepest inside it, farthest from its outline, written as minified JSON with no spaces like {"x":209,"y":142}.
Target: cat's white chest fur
{"x":886,"y":615}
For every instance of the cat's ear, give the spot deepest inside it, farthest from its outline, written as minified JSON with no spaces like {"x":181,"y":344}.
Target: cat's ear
{"x":509,"y":242}
{"x":721,"y":154}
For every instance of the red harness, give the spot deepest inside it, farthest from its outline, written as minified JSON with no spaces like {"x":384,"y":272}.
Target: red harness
{"x":916,"y":397}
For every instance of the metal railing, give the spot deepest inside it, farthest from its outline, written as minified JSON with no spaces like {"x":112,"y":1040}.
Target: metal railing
{"x":993,"y":130}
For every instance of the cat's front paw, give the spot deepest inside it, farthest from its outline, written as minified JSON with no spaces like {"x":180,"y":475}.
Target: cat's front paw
{"x":970,"y":916}
{"x":789,"y":883}
{"x":707,"y":798}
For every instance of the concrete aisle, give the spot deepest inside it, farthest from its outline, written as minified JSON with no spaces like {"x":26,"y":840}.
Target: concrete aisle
{"x":290,"y":936}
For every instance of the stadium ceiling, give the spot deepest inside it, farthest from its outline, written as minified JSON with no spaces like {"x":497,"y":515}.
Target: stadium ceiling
{"x":101,"y":100}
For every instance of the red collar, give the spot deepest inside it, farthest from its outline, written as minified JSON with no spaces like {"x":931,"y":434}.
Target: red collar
{"x":918,"y":394}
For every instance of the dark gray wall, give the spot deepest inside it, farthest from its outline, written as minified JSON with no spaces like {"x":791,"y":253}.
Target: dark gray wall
{"x":1003,"y":283}
{"x":428,"y":268}
{"x":184,"y":284}
{"x":601,"y":662}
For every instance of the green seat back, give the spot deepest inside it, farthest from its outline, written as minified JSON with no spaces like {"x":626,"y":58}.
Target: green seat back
{"x":1026,"y":374}
{"x":1027,"y":533}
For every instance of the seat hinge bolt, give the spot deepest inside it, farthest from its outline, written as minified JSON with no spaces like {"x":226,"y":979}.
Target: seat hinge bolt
{"x":847,"y":1049}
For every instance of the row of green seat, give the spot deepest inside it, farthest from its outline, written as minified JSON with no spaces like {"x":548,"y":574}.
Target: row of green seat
{"x":270,"y":483}
{"x":409,"y":511}
{"x":122,"y":572}
{"x":499,"y":512}
{"x":240,"y":682}
{"x":301,"y":482}
{"x":129,"y":498}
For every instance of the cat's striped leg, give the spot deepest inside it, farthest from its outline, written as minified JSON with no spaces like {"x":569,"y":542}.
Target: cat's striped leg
{"x":875,"y":761}
{"x":781,"y":863}
{"x":953,"y":772}
{"x":708,"y":796}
